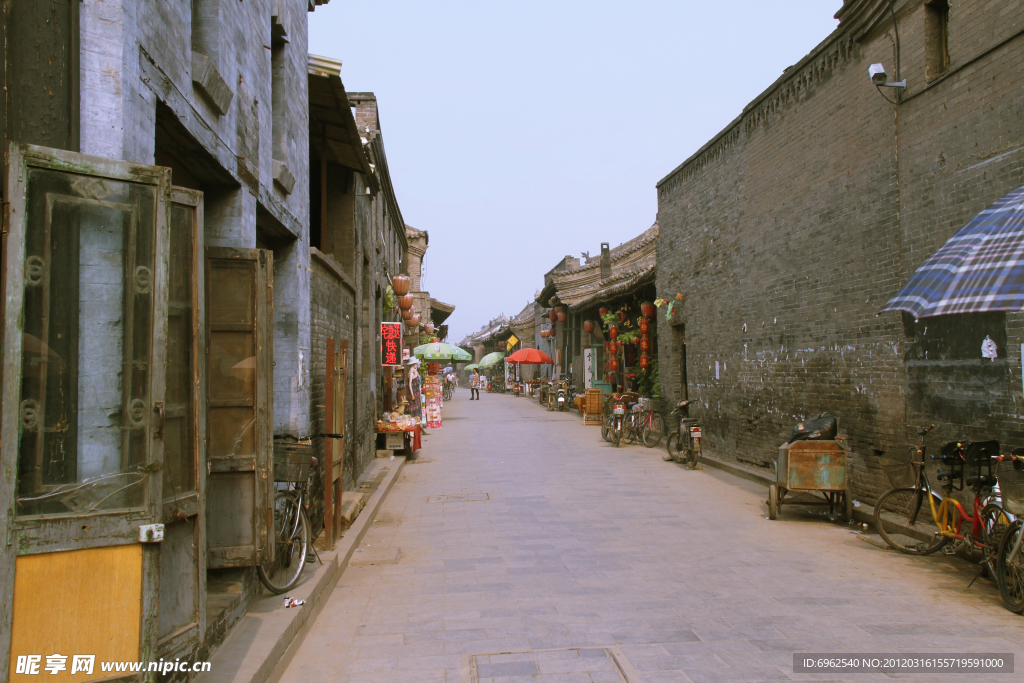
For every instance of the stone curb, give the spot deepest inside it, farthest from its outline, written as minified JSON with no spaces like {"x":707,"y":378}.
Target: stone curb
{"x":263,"y":642}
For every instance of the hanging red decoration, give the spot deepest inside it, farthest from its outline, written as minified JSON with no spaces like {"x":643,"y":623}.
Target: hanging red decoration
{"x":401,"y":284}
{"x":603,"y":311}
{"x":644,"y":361}
{"x":614,"y":364}
{"x":406,"y":314}
{"x":645,"y":344}
{"x":414,"y":320}
{"x":562,"y":316}
{"x":647,"y":310}
{"x":645,"y":327}
{"x":588,"y":325}
{"x":553,"y":315}
{"x":429,"y":328}
{"x":405,"y":302}
{"x":621,"y":315}
{"x":613,"y":348}
{"x":606,"y":346}
{"x":613,"y":332}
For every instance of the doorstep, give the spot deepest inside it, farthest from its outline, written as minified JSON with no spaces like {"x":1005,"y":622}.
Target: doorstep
{"x":263,"y":641}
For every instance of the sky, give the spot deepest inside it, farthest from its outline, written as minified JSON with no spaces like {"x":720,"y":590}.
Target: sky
{"x":521,"y":132}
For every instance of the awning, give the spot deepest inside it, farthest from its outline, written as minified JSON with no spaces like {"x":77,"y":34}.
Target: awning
{"x":645,"y":276}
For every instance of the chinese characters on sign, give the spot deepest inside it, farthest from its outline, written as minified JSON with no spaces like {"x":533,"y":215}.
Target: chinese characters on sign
{"x":391,"y":345}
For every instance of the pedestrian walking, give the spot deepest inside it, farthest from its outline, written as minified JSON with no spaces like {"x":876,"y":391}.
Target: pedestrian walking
{"x":474,"y":385}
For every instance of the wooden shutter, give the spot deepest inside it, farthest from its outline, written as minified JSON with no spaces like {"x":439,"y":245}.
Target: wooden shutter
{"x":240,"y":484}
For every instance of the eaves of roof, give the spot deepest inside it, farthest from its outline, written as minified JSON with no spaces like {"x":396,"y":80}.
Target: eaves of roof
{"x":642,"y":277}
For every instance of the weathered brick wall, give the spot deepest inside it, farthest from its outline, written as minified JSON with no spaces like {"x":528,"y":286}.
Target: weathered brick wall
{"x":790,"y":230}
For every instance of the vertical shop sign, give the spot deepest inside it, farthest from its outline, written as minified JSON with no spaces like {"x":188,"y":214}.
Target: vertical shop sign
{"x":391,"y":345}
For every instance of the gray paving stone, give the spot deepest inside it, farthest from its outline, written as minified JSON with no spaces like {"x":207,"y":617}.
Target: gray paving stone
{"x":583,"y":546}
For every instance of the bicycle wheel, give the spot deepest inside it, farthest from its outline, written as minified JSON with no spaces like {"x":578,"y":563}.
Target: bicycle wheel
{"x":903,"y":518}
{"x":606,"y":430}
{"x":291,"y":542}
{"x":617,"y":428}
{"x":629,"y":432}
{"x":693,"y":455}
{"x":654,"y":429}
{"x":672,"y":447}
{"x":1010,"y":572}
{"x":994,"y":522}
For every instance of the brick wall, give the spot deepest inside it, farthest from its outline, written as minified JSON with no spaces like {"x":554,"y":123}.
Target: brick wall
{"x":791,"y":229}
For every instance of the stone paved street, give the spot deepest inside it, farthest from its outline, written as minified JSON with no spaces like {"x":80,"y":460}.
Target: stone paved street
{"x":531,"y":550}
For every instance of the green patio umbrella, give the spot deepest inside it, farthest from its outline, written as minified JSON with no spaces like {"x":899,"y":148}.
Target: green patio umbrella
{"x":491,"y":359}
{"x":472,"y":366}
{"x":438,"y":351}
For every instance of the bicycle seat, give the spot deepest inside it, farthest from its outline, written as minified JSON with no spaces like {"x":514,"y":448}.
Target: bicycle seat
{"x":944,"y":473}
{"x":980,"y":480}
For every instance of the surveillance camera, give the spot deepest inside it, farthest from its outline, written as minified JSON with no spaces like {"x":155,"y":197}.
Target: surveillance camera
{"x":877,"y":74}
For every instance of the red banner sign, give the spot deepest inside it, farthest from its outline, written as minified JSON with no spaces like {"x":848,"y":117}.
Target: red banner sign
{"x":391,"y":345}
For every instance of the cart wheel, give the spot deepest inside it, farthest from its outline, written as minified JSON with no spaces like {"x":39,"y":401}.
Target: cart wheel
{"x":848,"y":505}
{"x":773,"y":501}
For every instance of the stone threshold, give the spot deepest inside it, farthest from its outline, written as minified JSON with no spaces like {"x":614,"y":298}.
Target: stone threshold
{"x":263,"y":642}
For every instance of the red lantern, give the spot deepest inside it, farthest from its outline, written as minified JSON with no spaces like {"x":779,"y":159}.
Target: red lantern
{"x":644,"y":361}
{"x":647,"y":310}
{"x":401,"y":284}
{"x":562,"y":316}
{"x":613,"y":332}
{"x":621,"y":315}
{"x":645,"y":344}
{"x":414,"y":320}
{"x":405,"y":302}
{"x":603,"y":311}
{"x":613,"y":348}
{"x":645,"y":327}
{"x":614,"y":364}
{"x":553,"y":315}
{"x":406,"y":314}
{"x":429,"y":328}
{"x":588,"y":325}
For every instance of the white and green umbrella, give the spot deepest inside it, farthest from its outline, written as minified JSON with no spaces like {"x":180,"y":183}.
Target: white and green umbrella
{"x":491,"y":359}
{"x":438,"y":351}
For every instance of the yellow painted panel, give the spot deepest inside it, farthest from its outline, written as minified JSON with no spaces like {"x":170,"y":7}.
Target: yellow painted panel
{"x":80,"y":602}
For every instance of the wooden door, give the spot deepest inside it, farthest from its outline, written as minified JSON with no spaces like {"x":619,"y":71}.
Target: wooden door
{"x":334,"y":443}
{"x":84,"y":276}
{"x":182,"y":620}
{"x":240,"y":481}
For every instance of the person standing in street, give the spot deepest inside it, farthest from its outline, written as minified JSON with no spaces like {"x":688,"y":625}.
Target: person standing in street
{"x":474,"y":385}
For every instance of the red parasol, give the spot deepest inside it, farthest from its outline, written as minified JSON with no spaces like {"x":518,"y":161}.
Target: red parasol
{"x":530,"y":357}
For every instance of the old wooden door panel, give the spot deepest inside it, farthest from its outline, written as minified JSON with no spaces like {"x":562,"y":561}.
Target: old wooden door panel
{"x":98,"y":609}
{"x":183,"y":553}
{"x":239,"y":306}
{"x":85,"y":320}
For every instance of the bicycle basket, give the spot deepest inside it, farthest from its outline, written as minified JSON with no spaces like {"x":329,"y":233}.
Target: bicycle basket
{"x":1011,"y":485}
{"x":645,"y":403}
{"x":292,"y":461}
{"x":899,"y":466}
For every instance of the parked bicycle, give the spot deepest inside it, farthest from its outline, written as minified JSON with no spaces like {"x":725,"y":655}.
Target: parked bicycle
{"x":1009,"y":555}
{"x":615,"y":426}
{"x":448,"y":390}
{"x":291,"y":525}
{"x":651,"y":425}
{"x":683,"y":444}
{"x":915,"y":519}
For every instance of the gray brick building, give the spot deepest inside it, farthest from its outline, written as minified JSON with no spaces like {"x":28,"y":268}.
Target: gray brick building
{"x":220,"y":186}
{"x":789,"y":230}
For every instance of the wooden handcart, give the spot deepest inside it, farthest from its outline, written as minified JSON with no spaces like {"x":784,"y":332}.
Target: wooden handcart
{"x":812,"y":467}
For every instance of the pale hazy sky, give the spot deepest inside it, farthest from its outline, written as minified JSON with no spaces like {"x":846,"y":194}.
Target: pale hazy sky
{"x":519,"y":132}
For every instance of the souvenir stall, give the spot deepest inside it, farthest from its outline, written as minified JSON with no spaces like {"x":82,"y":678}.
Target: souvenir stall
{"x":398,"y":429}
{"x":433,"y":384}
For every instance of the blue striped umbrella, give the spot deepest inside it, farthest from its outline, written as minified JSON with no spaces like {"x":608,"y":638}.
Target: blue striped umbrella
{"x":981,"y":268}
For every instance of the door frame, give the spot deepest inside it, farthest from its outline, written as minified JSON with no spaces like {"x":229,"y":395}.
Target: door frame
{"x":188,"y":639}
{"x":45,"y":534}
